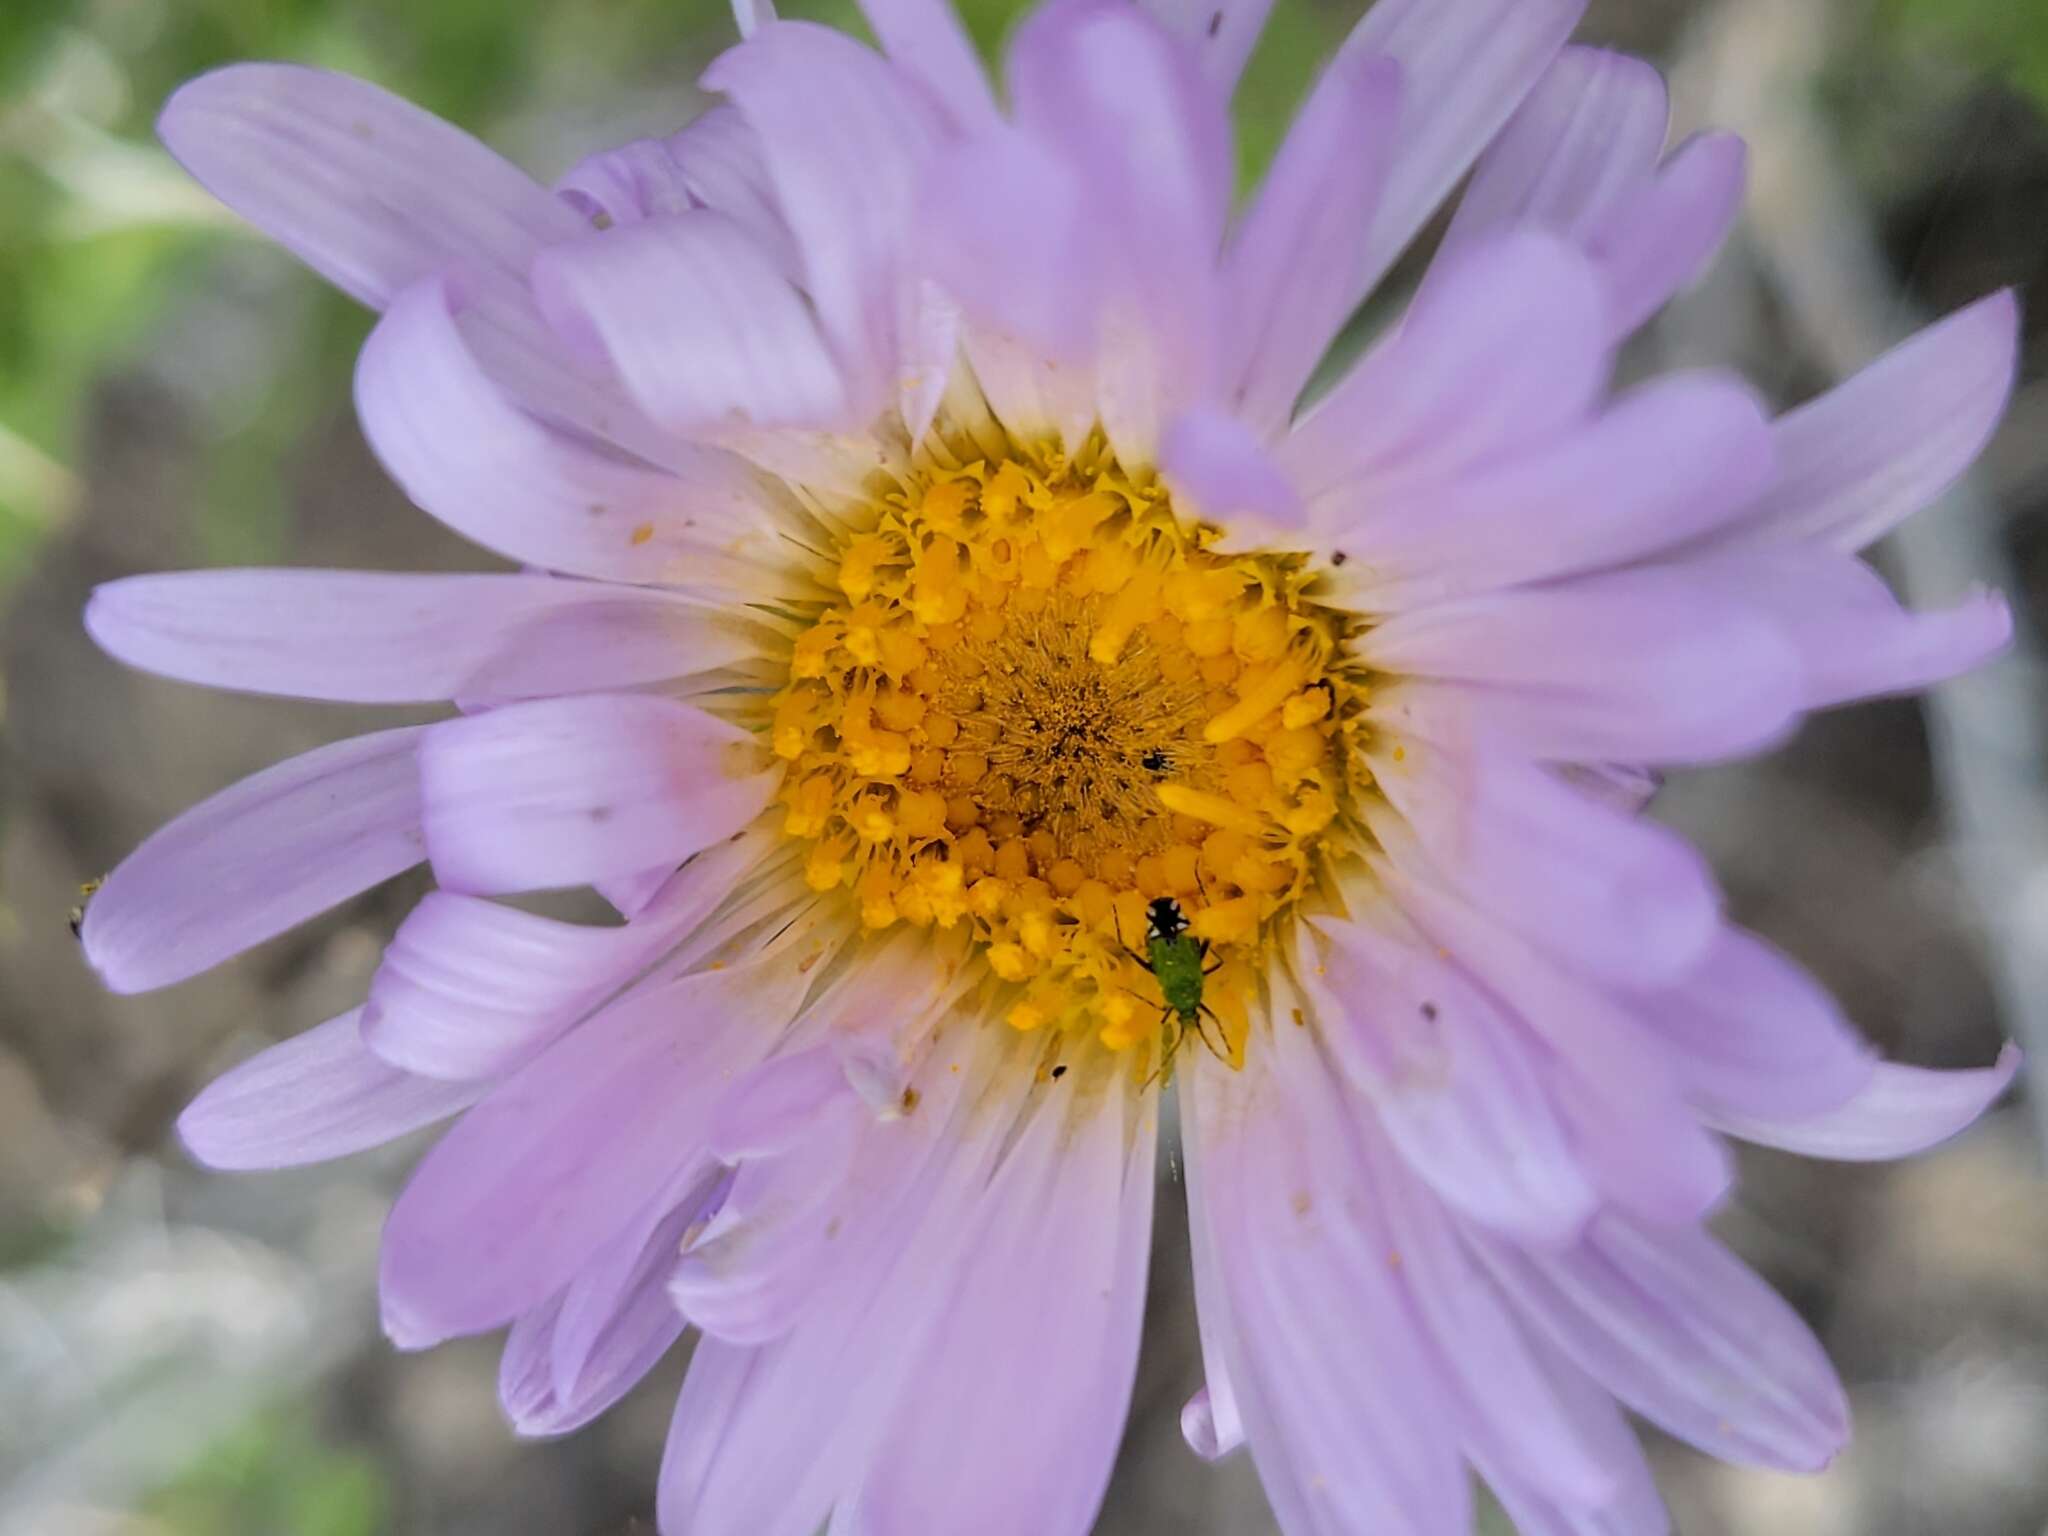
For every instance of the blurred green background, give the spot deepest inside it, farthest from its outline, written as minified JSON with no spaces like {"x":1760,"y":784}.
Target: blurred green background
{"x":172,"y":394}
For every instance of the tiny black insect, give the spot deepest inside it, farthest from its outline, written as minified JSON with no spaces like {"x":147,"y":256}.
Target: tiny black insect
{"x":1156,"y":761}
{"x":1060,"y":1070}
{"x":85,"y":893}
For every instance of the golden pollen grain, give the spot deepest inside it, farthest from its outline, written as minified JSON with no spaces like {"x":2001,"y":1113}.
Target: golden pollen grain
{"x":1034,"y":704}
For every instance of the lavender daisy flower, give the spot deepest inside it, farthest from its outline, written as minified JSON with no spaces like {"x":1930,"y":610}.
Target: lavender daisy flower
{"x":994,"y":702}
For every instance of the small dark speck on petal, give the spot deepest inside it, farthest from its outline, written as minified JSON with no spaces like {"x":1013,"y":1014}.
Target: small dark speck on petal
{"x":1215,"y":23}
{"x":1429,"y":1011}
{"x":1339,"y":558}
{"x":600,"y":814}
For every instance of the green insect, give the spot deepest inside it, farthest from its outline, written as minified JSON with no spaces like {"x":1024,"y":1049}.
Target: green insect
{"x":1176,"y":963}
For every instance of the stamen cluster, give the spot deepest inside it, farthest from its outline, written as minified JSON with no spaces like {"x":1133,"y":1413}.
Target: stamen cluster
{"x":1041,"y":703}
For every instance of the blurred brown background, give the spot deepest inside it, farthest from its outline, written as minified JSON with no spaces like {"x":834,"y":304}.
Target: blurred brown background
{"x":193,"y":1355}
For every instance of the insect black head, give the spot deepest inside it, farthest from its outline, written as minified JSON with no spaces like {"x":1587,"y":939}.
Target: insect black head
{"x":1156,"y":761}
{"x":1166,"y":919}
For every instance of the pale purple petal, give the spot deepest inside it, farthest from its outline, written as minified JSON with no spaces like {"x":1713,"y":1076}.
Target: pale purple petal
{"x":1128,"y":108}
{"x":1005,"y":228}
{"x":1609,"y":1084}
{"x":1867,"y":455}
{"x":1749,"y":1032}
{"x":511,"y":1202}
{"x":1007,"y":1429}
{"x":1220,"y":473}
{"x":1455,"y":1081}
{"x":769,"y":1257}
{"x":561,"y":792}
{"x":630,"y":894}
{"x":1288,"y":274}
{"x":371,"y":638}
{"x":1663,"y":465}
{"x":1223,"y":33}
{"x":1508,"y":1398}
{"x":713,"y":163}
{"x":931,"y":326}
{"x":1662,"y":236}
{"x":697,"y":322}
{"x":752,"y":15}
{"x":1900,"y":1111}
{"x":370,"y":191}
{"x":1203,"y":1427}
{"x":1349,"y":1426}
{"x":1211,"y":1421}
{"x":640,"y":180}
{"x":469,"y":988}
{"x":1034,"y":397}
{"x":766,"y":1437}
{"x":719,"y":159}
{"x":1611,"y":893}
{"x":831,"y":1194}
{"x":1853,"y":639}
{"x":772,"y":1107}
{"x":642,"y":1254}
{"x":1586,"y":139}
{"x":1465,"y":66}
{"x":925,"y":39}
{"x":846,"y":138}
{"x":1635,"y":1507}
{"x":463,"y":451}
{"x":259,"y":857}
{"x":1506,"y":351}
{"x":1649,"y":665}
{"x":572,"y":1358}
{"x":318,"y":1095}
{"x":642,"y":1332}
{"x":1680,"y":1330}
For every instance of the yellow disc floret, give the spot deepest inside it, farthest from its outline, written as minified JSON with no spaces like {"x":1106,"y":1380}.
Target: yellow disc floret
{"x":1037,"y":706}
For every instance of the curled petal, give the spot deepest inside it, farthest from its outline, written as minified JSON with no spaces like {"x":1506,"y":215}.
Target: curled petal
{"x":1900,"y":1111}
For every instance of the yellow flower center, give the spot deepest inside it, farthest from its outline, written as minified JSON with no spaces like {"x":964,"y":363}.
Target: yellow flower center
{"x":1041,"y":707}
